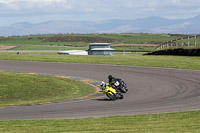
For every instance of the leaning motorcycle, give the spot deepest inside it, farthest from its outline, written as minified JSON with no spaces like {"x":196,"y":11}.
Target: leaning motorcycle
{"x":111,"y":93}
{"x":121,"y":86}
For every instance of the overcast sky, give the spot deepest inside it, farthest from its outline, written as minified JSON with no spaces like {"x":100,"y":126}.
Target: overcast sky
{"x":36,"y":11}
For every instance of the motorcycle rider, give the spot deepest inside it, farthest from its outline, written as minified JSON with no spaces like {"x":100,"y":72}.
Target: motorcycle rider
{"x":111,"y":80}
{"x":114,"y":82}
{"x":103,"y":86}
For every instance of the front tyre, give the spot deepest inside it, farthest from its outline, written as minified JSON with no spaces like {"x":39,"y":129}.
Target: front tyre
{"x":111,"y":96}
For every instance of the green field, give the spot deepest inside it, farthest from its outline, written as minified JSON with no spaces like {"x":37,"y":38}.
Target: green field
{"x":18,"y":89}
{"x":182,"y":122}
{"x":35,"y":40}
{"x":181,"y":62}
{"x":123,"y":41}
{"x":137,"y":38}
{"x":120,"y":38}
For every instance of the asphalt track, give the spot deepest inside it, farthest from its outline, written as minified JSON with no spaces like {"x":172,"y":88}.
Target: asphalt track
{"x":151,"y":90}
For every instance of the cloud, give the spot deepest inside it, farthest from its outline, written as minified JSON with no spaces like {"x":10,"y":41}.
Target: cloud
{"x":96,"y":5}
{"x":25,"y":4}
{"x":31,"y":1}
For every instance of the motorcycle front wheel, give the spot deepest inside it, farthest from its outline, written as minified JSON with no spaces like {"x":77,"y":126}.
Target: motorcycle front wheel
{"x":111,"y":96}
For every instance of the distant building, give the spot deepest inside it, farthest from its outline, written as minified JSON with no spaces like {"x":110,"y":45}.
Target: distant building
{"x":100,"y":49}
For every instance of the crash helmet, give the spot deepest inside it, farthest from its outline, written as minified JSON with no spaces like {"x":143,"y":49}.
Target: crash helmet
{"x":110,"y":77}
{"x":103,"y":84}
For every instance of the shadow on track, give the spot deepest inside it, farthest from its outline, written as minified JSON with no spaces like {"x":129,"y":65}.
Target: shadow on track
{"x":103,"y":99}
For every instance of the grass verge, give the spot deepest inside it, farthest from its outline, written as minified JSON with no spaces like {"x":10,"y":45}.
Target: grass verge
{"x":188,"y":122}
{"x":18,"y":89}
{"x":180,"y":62}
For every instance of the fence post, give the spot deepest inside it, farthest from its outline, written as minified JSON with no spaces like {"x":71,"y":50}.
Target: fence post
{"x":182,"y":41}
{"x":171,"y":44}
{"x":195,"y":41}
{"x":188,"y":41}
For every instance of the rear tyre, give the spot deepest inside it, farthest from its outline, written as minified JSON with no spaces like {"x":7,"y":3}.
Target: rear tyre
{"x":121,"y":96}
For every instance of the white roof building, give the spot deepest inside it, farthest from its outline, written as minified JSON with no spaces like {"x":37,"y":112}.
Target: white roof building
{"x":100,"y":49}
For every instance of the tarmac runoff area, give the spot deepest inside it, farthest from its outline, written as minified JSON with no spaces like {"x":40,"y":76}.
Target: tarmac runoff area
{"x":74,"y":52}
{"x":151,"y":90}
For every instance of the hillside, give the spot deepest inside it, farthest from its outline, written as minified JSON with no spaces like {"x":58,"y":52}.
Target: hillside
{"x":142,"y":25}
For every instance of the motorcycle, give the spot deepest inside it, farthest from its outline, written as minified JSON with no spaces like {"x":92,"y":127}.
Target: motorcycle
{"x":121,"y":86}
{"x":111,"y":93}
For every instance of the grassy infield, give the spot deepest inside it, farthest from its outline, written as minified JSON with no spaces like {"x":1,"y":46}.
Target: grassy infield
{"x":188,"y":122}
{"x":18,"y":89}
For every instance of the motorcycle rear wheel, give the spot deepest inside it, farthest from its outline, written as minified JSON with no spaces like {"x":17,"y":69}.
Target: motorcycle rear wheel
{"x":123,"y":90}
{"x":121,"y":96}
